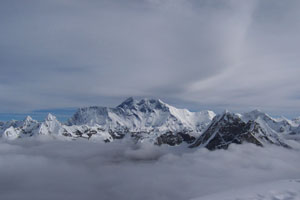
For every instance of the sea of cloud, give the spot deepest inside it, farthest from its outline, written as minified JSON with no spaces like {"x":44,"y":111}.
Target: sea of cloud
{"x":42,"y":169}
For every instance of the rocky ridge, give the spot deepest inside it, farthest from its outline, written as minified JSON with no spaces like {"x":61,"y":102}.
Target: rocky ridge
{"x":153,"y":121}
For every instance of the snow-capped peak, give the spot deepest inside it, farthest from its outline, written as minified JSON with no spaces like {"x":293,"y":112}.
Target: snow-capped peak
{"x":28,"y":124}
{"x":254,"y":114}
{"x":10,"y":134}
{"x":50,"y":117}
{"x":226,"y":116}
{"x":50,"y":125}
{"x":143,"y":105}
{"x":128,"y":103}
{"x":28,"y":119}
{"x":151,"y":120}
{"x":257,"y":115}
{"x":144,"y":114}
{"x":269,"y":123}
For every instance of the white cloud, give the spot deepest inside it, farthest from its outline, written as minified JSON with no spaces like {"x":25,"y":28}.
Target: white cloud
{"x":85,"y":170}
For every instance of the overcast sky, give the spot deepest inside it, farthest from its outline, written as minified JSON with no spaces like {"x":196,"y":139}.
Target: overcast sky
{"x":198,"y":54}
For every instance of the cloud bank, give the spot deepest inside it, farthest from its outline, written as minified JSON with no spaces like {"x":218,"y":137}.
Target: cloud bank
{"x":36,"y":169}
{"x":209,"y":54}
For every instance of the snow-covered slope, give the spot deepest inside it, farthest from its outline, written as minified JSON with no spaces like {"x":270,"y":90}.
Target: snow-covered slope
{"x":229,"y":128}
{"x":16,"y":129}
{"x":146,"y":120}
{"x":51,"y":127}
{"x":151,"y":120}
{"x":296,"y":121}
{"x":143,"y":120}
{"x":143,"y":115}
{"x":281,"y":125}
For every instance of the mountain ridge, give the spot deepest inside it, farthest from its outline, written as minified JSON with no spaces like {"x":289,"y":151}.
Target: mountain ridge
{"x":153,"y":121}
{"x":229,"y":128}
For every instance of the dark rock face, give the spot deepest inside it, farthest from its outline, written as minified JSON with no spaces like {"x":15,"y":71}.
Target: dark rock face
{"x":144,"y":105}
{"x":169,"y":138}
{"x":174,"y":139}
{"x":116,"y":134}
{"x":229,"y":128}
{"x":186,"y":137}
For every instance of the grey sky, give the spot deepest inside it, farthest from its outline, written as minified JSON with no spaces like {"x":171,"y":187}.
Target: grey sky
{"x":199,"y":54}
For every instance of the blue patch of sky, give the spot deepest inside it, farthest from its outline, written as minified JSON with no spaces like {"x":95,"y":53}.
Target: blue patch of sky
{"x":61,"y":114}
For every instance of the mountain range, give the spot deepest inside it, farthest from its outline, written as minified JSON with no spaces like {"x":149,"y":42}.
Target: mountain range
{"x":153,"y":121}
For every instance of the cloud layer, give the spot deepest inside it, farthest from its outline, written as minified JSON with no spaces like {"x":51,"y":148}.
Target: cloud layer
{"x":36,"y":169}
{"x":209,"y":54}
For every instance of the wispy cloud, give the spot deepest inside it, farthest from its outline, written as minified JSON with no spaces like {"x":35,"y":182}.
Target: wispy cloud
{"x":205,"y":53}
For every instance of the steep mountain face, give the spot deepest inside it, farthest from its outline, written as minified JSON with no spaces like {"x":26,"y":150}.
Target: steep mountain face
{"x":230,"y":128}
{"x":53,"y":128}
{"x":294,"y":135}
{"x":153,"y":121}
{"x":49,"y":126}
{"x":148,"y":120}
{"x":12,"y":123}
{"x":143,"y":115}
{"x":296,"y":121}
{"x":17,"y":129}
{"x":281,"y":125}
